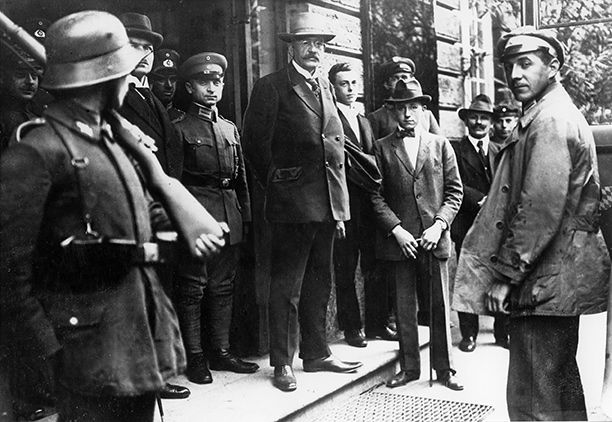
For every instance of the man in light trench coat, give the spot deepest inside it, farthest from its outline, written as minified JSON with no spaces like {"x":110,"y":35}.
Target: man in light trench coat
{"x":535,"y":249}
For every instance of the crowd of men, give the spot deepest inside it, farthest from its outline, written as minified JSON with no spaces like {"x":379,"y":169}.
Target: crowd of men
{"x":100,"y":299}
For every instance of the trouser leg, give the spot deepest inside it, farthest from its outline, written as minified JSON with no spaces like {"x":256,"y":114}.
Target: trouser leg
{"x":543,"y":378}
{"x":190,"y":285}
{"x":315,"y":293}
{"x":219,"y":295}
{"x":500,"y":327}
{"x":290,"y":244}
{"x":376,"y":297}
{"x":468,"y":324}
{"x":346,"y":256}
{"x":402,"y":275}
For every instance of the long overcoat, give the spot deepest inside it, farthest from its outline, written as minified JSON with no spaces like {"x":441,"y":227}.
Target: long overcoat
{"x":539,"y":228}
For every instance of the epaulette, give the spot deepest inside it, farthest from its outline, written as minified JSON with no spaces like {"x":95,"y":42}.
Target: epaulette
{"x":23,"y":129}
{"x":227,"y":120}
{"x":180,"y":117}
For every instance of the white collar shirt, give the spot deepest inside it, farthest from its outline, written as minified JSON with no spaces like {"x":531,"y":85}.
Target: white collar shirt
{"x":411,"y":145}
{"x":351,"y":113}
{"x":485,"y":143}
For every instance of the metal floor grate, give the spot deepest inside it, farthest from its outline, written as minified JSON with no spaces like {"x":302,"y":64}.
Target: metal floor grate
{"x":387,"y":407}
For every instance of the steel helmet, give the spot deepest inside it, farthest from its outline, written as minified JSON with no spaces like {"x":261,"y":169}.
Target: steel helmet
{"x":87,"y":48}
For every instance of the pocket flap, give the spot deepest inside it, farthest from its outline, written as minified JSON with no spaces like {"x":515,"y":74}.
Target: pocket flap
{"x":76,"y":310}
{"x":197,"y":141}
{"x":287,"y":174}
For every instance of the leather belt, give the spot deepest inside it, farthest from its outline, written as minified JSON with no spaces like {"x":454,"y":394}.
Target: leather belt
{"x":208,"y":181}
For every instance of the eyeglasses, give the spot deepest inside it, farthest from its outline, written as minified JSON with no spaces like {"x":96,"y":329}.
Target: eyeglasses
{"x":311,"y":43}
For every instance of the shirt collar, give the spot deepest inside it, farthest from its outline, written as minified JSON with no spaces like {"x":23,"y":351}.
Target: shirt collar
{"x":485,"y":143}
{"x":306,"y":74}
{"x":138,"y":83}
{"x":348,"y":110}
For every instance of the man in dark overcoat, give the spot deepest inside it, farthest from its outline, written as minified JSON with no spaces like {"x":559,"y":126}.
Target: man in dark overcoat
{"x":473,"y":159}
{"x":294,"y":143}
{"x":535,"y":249}
{"x":141,"y":107}
{"x":79,"y":289}
{"x":419,"y":197}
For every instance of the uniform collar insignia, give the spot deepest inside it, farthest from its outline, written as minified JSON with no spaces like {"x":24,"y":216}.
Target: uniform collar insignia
{"x":206,"y":112}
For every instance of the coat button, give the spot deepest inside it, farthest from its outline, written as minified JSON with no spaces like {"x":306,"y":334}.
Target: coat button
{"x":73,"y":320}
{"x":499,"y":225}
{"x":327,"y":164}
{"x":338,"y":138}
{"x":493,"y":258}
{"x":323,"y":136}
{"x":340,"y":165}
{"x":418,"y":196}
{"x":505,"y":189}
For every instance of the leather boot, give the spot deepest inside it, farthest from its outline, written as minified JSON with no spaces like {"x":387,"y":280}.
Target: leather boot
{"x":197,"y":369}
{"x":224,"y":360}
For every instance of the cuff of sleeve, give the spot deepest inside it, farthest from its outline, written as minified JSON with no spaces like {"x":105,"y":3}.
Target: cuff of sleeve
{"x":444,"y":222}
{"x":390,"y":232}
{"x":508,"y":262}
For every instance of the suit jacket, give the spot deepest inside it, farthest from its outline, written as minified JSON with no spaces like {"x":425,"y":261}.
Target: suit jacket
{"x":383,"y":122}
{"x":155,"y":122}
{"x":476,"y":183}
{"x":295,"y":147}
{"x":359,"y":201}
{"x":415,"y":196}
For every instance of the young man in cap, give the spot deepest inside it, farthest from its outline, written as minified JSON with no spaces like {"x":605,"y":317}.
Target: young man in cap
{"x":383,"y":119}
{"x":418,"y":200}
{"x":473,"y":159}
{"x":163,"y":76}
{"x":535,"y":250}
{"x":141,"y":107}
{"x":357,"y":246}
{"x":294,"y":143}
{"x":214,"y":173}
{"x":80,"y":293}
{"x":505,"y":118}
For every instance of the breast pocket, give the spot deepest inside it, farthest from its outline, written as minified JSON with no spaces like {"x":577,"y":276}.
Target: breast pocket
{"x":196,"y":150}
{"x":287,"y":174}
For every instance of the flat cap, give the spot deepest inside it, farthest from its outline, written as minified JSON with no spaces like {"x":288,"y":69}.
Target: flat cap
{"x":165,"y":62}
{"x":209,"y":65}
{"x":505,"y":109}
{"x":526,"y":39}
{"x":396,"y":65}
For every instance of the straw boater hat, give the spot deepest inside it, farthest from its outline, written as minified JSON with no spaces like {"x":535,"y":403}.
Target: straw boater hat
{"x":405,"y":92}
{"x":306,"y":24}
{"x":480,"y":104}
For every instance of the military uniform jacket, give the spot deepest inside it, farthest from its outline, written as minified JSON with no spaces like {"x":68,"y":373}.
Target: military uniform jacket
{"x":214,"y":169}
{"x":415,"y":196}
{"x":294,"y":144}
{"x":118,"y":334}
{"x":539,"y":228}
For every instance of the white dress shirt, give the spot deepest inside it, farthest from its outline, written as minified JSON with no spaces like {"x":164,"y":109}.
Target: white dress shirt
{"x":351,"y":113}
{"x":485,"y":143}
{"x":412,"y":146}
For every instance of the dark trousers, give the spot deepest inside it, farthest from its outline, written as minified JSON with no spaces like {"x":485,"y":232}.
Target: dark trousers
{"x":74,"y":407}
{"x":543,"y":378}
{"x":409,"y":277}
{"x":347,"y":252}
{"x":207,"y":288}
{"x":301,"y":270}
{"x":468,"y":324}
{"x":377,"y":292}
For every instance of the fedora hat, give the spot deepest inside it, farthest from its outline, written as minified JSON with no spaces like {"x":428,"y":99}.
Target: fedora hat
{"x":306,"y":24}
{"x":480,"y":104}
{"x":138,"y":25}
{"x":407,"y":92}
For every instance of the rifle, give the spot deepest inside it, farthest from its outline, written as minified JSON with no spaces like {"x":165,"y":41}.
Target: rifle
{"x":18,"y":41}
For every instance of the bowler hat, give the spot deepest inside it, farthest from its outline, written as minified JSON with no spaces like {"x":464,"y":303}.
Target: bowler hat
{"x":209,"y":65}
{"x":306,"y":24}
{"x":397,"y":64}
{"x":138,"y":25}
{"x":526,"y":39}
{"x":405,"y":92}
{"x":480,"y":104}
{"x":165,"y":62}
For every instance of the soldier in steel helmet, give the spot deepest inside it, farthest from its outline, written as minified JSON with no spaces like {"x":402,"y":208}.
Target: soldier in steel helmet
{"x":80,"y":292}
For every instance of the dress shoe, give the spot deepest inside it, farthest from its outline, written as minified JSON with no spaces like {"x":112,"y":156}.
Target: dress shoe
{"x":384,"y":334}
{"x":284,"y":379}
{"x":197,"y":369}
{"x":171,"y":391}
{"x":467,"y":344}
{"x":449,"y":380}
{"x":503,"y":342}
{"x":355,"y":338}
{"x":224,"y":360}
{"x":330,"y":364}
{"x":402,"y":378}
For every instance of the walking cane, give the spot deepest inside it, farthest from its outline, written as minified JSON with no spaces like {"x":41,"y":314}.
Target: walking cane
{"x":160,"y":407}
{"x":430,"y":322}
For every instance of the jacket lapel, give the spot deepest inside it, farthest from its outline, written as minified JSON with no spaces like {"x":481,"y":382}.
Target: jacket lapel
{"x":328,"y":103}
{"x":470,"y":156}
{"x":348,"y":130}
{"x":144,"y":111}
{"x":423,"y":154}
{"x":400,"y":151}
{"x":303,"y":90}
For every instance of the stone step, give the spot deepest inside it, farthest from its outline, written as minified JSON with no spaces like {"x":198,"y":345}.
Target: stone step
{"x":236,"y":397}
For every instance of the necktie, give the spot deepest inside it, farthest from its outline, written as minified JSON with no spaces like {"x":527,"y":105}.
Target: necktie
{"x":314,"y":85}
{"x":403,"y":133}
{"x":483,"y":158}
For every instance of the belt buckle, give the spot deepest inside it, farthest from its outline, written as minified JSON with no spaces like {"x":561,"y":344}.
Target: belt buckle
{"x":150,"y":252}
{"x":225,"y":183}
